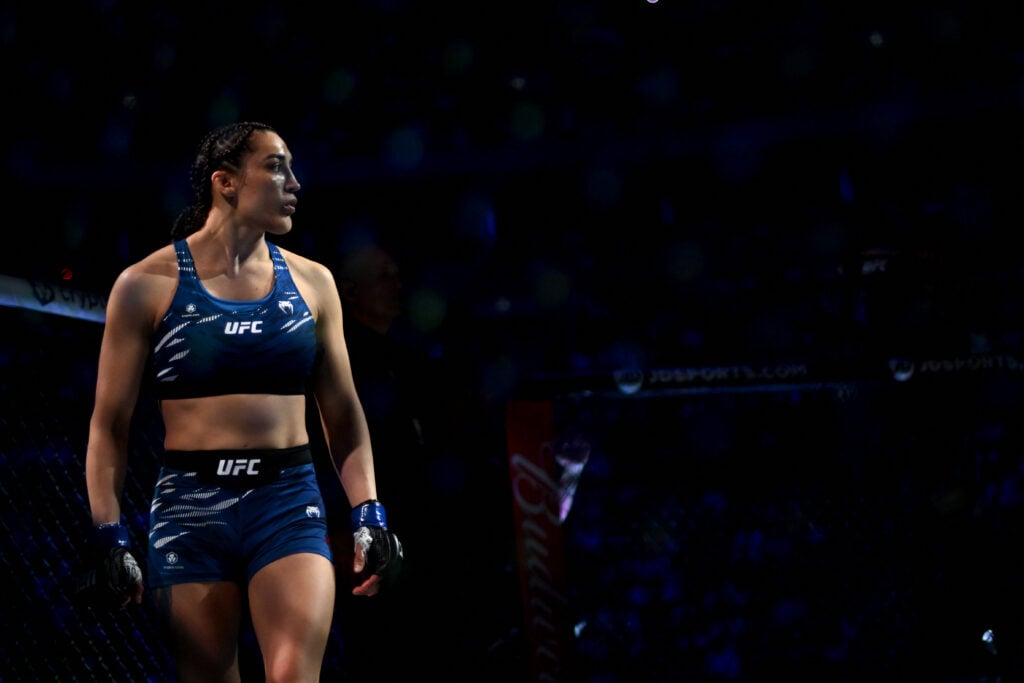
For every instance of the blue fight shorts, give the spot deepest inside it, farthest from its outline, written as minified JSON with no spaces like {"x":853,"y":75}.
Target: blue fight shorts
{"x":224,"y":515}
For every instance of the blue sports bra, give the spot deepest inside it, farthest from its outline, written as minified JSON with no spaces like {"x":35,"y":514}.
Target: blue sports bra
{"x":207,"y":346}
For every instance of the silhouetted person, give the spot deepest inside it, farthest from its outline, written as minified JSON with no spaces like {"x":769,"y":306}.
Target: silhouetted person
{"x":447,"y":492}
{"x":398,"y":389}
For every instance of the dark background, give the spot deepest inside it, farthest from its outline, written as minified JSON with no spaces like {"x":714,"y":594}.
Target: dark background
{"x":594,"y":184}
{"x":574,"y":188}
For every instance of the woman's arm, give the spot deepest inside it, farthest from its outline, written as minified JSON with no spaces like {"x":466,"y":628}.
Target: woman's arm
{"x":123,"y":352}
{"x":341,"y":413}
{"x":378,"y":552}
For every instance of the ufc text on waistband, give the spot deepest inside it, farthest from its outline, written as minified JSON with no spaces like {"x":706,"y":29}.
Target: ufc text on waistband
{"x":244,"y":469}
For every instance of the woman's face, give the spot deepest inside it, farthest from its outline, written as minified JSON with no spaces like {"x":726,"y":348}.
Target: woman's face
{"x":267,"y":186}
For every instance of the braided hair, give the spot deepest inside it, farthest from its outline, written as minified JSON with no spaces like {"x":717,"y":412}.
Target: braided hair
{"x":221,"y":148}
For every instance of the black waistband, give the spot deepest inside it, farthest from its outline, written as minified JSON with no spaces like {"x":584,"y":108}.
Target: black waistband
{"x":239,"y":468}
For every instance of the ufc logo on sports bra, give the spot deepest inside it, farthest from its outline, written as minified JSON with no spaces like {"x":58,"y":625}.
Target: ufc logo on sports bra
{"x":235,"y":467}
{"x":250,"y":326}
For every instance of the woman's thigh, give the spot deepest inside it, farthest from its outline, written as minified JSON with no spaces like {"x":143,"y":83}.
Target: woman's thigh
{"x":203,"y":620}
{"x":291,"y":601}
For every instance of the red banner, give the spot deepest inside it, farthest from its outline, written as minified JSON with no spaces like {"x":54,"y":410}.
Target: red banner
{"x":529,"y":427}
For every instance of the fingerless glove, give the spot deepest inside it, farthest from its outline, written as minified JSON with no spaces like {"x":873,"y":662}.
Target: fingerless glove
{"x":116,"y":571}
{"x":381,"y":547}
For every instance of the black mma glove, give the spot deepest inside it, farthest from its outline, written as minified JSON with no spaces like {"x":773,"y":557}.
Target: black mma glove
{"x":117,"y":578}
{"x":380,"y":549}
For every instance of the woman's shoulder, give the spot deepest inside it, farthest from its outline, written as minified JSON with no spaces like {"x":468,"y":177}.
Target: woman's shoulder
{"x":161,"y":262}
{"x":156,"y":271}
{"x":316,"y":283}
{"x":143,"y":290}
{"x":305,"y":267}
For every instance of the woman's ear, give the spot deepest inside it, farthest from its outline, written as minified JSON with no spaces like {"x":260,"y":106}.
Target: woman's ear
{"x":223,"y":184}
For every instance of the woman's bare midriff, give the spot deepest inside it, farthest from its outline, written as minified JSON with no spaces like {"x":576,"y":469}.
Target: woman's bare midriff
{"x":234,"y":421}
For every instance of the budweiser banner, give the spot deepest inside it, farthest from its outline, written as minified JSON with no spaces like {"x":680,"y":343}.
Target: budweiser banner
{"x":535,"y":481}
